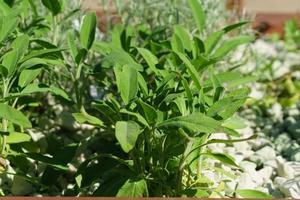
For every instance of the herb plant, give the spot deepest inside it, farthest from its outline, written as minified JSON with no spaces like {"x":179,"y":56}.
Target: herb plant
{"x":163,"y":100}
{"x":160,"y":100}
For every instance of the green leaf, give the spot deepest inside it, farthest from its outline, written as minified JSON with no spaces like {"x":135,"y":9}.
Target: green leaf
{"x":191,"y":69}
{"x":149,"y":58}
{"x":72,"y":44}
{"x":176,"y":44}
{"x":13,"y":115}
{"x":234,"y":122}
{"x":85,"y":117}
{"x":133,"y":188}
{"x":54,"y":6}
{"x":7,"y":25}
{"x":127,"y":133}
{"x":184,"y":36}
{"x":21,"y":44}
{"x":121,"y":57}
{"x":15,"y":137}
{"x":235,"y":26}
{"x":149,"y":112}
{"x":35,"y":88}
{"x":246,"y":193}
{"x":47,"y":160}
{"x":127,"y":82}
{"x":101,"y":47}
{"x":42,"y":53}
{"x":224,"y":158}
{"x":187,"y":89}
{"x":218,"y":88}
{"x":142,"y":84}
{"x":138,"y":117}
{"x":28,"y":75}
{"x":10,"y":61}
{"x":4,"y":8}
{"x":227,"y":106}
{"x":232,"y":79}
{"x":212,"y":41}
{"x":32,"y":62}
{"x":199,"y":46}
{"x":88,"y":30}
{"x":198,"y":14}
{"x":3,"y":71}
{"x":196,"y":122}
{"x":231,"y":44}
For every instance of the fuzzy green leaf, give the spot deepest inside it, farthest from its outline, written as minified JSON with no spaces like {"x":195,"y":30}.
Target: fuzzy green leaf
{"x":54,"y":6}
{"x":231,"y":44}
{"x":86,"y":118}
{"x":191,"y":69}
{"x":184,"y":36}
{"x":198,"y":14}
{"x":15,"y":137}
{"x":127,"y":133}
{"x":212,"y":41}
{"x":133,"y":188}
{"x":225,"y":159}
{"x":247,"y":193}
{"x":28,"y":75}
{"x":196,"y":122}
{"x":13,"y":115}
{"x":10,"y":61}
{"x":88,"y":30}
{"x":149,"y":58}
{"x":127,"y":82}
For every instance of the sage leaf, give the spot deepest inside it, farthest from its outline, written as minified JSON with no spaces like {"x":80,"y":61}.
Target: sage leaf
{"x":85,"y":117}
{"x":54,"y":6}
{"x":247,"y":193}
{"x":127,"y":133}
{"x":196,"y":122}
{"x":127,"y":82}
{"x":16,"y":137}
{"x":88,"y":30}
{"x":198,"y":14}
{"x":133,"y":188}
{"x":13,"y":115}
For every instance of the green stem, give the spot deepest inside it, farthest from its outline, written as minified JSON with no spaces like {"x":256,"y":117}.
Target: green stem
{"x":4,"y":121}
{"x":182,"y":164}
{"x":4,"y":139}
{"x":55,"y":29}
{"x":78,"y":86}
{"x":201,"y":150}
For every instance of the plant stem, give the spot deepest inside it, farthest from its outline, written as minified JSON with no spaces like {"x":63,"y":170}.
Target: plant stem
{"x":55,"y":29}
{"x":4,"y":121}
{"x":199,"y":163}
{"x":4,"y":139}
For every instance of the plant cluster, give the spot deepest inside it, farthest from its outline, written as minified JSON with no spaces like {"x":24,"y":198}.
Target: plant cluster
{"x":155,"y":104}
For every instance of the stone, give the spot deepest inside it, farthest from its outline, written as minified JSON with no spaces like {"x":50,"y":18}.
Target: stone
{"x":290,"y":188}
{"x":264,"y":154}
{"x":259,"y":143}
{"x":282,"y":142}
{"x":245,"y":181}
{"x":242,"y":147}
{"x":247,"y":166}
{"x":266,"y":173}
{"x":276,"y":111}
{"x":271,"y":163}
{"x":296,"y":168}
{"x":284,"y":169}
